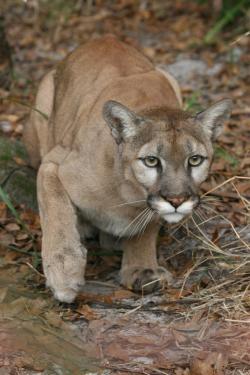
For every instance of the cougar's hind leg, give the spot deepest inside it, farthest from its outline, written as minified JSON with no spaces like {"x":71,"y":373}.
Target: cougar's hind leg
{"x":36,"y":130}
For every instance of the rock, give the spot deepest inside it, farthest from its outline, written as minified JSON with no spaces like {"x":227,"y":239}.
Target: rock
{"x":6,"y":127}
{"x":188,"y":69}
{"x":234,"y":55}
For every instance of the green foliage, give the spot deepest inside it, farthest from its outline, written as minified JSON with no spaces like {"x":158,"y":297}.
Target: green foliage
{"x":25,"y":104}
{"x":221,"y":152}
{"x":57,"y":8}
{"x":6,"y":199}
{"x":192,"y":102}
{"x":10,"y":149}
{"x":17,"y":181}
{"x":36,"y":258}
{"x":230,"y":11}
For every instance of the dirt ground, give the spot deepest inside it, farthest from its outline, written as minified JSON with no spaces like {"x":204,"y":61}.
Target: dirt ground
{"x":199,"y":325}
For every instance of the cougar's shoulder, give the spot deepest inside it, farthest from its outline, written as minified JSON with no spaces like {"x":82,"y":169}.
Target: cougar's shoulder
{"x":80,"y":78}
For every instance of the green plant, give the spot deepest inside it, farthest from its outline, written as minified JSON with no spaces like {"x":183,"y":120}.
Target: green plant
{"x":13,"y":99}
{"x":221,"y":152}
{"x":191,"y":103}
{"x":6,"y":199}
{"x":230,"y":11}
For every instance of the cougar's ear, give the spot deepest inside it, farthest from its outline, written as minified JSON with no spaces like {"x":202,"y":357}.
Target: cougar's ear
{"x":212,"y":119}
{"x":120,"y":119}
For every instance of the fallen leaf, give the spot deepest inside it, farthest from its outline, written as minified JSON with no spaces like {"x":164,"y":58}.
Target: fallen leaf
{"x":6,"y":239}
{"x":182,"y":371}
{"x":212,"y":363}
{"x":53,"y":319}
{"x":12,"y":227}
{"x":3,"y":210}
{"x":9,"y":117}
{"x":19,"y":161}
{"x":122,"y":294}
{"x":88,"y":313}
{"x":11,"y":256}
{"x":21,"y":236}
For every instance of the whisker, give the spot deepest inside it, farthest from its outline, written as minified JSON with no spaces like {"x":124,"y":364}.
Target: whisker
{"x":137,"y":226}
{"x":142,"y":222}
{"x":147,"y":221}
{"x":133,"y":221}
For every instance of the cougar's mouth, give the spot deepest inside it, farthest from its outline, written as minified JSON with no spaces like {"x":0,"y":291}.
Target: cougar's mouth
{"x":174,"y":209}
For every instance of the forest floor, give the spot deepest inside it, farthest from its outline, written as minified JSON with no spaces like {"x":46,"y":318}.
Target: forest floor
{"x":200,"y":324}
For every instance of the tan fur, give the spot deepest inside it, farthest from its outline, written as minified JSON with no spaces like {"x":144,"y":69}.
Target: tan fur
{"x":89,"y":178}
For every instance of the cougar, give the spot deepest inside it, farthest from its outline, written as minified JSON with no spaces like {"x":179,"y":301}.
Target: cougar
{"x":116,"y":153}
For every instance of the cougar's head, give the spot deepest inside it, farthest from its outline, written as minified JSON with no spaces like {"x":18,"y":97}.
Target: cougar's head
{"x":166,"y":153}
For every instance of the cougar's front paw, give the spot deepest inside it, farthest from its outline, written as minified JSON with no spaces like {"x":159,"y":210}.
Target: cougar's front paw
{"x":65,"y":274}
{"x":147,"y":280}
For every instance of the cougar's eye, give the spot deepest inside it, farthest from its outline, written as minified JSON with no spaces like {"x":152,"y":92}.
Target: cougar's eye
{"x":151,"y":161}
{"x":195,"y":160}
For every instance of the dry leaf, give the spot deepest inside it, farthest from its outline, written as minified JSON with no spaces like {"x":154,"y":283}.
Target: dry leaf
{"x":3,"y":210}
{"x":122,"y":294}
{"x":12,"y":227}
{"x":88,"y":313}
{"x":21,"y":236}
{"x":209,"y":364}
{"x":11,"y":256}
{"x":19,"y":161}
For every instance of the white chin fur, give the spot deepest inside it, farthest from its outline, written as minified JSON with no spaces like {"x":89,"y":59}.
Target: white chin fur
{"x":164,"y":208}
{"x":185,"y":208}
{"x":173,"y":218}
{"x":170,"y":214}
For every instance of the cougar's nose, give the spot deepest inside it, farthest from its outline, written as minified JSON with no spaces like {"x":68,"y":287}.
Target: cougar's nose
{"x":176,"y":201}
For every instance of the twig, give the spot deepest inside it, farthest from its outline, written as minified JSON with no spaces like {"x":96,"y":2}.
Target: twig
{"x":33,"y":268}
{"x":225,"y":182}
{"x":240,"y":37}
{"x":237,"y":321}
{"x":233,"y":228}
{"x":225,"y":194}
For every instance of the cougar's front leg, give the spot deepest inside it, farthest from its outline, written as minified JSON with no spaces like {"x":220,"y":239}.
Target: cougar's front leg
{"x":64,"y":257}
{"x":140,"y":270}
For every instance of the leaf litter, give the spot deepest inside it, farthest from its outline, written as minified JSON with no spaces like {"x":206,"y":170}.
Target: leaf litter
{"x":199,"y":325}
